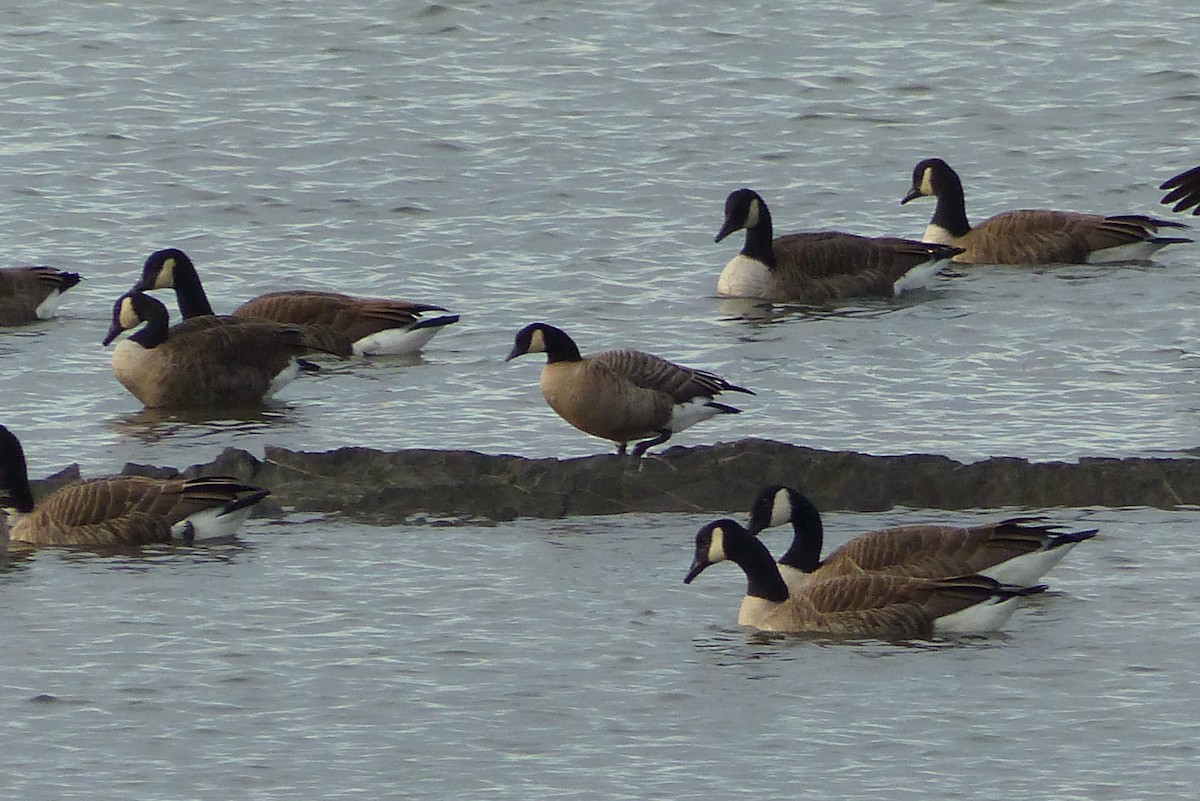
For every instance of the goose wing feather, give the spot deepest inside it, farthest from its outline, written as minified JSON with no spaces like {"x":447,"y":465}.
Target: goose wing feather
{"x":352,"y":317}
{"x":1185,"y":191}
{"x":648,"y":371}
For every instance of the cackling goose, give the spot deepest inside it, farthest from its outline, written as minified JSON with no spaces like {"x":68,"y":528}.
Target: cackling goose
{"x":622,"y":395}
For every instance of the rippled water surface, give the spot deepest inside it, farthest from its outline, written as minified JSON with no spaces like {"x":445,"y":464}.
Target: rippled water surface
{"x":319,"y":659}
{"x":568,"y":162}
{"x":549,"y":161}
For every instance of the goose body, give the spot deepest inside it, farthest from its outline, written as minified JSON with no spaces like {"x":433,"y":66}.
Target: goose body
{"x":1016,"y":551}
{"x":1185,"y":191}
{"x":819,"y":267}
{"x":864,"y":605}
{"x":621,"y":395}
{"x":28,"y":294}
{"x":1032,"y":236}
{"x":205,"y":362}
{"x":121,"y":510}
{"x":365,"y":326}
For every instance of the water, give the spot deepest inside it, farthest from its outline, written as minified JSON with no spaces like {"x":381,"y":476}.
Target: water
{"x":558,"y":161}
{"x":321,"y":659}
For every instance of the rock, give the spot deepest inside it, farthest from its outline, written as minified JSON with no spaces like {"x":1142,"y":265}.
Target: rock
{"x":396,"y":486}
{"x":417,"y":485}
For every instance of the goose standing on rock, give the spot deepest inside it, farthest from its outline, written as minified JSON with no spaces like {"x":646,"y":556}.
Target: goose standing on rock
{"x":822,"y":266}
{"x":1015,"y":551}
{"x":370,"y":326}
{"x":622,"y":395}
{"x":1185,"y":191}
{"x":1032,"y":236}
{"x":863,"y":605}
{"x":29,"y":294}
{"x":121,"y":510}
{"x":213,"y":362}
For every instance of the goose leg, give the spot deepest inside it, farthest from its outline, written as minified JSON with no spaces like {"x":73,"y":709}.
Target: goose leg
{"x":663,"y":435}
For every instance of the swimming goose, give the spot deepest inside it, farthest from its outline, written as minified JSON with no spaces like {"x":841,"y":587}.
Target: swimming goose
{"x":205,"y":362}
{"x":866,"y":605}
{"x":1185,"y":191}
{"x":1014,"y":551}
{"x":822,"y":266}
{"x":1032,"y":236}
{"x":121,"y":510}
{"x":370,"y":326}
{"x":622,"y":395}
{"x":28,"y":294}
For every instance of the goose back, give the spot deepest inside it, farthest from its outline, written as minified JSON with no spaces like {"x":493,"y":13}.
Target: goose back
{"x":891,"y":607}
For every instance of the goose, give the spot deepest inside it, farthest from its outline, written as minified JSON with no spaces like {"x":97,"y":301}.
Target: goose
{"x":1032,"y":236}
{"x":864,"y":605}
{"x":371,"y":326}
{"x":622,"y":395}
{"x":121,"y":510}
{"x":28,"y":294}
{"x":821,"y":266}
{"x":204,"y":362}
{"x":1185,"y":191}
{"x":1014,"y":551}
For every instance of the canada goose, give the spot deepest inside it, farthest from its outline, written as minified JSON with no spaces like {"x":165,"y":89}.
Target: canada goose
{"x":622,"y":395}
{"x":821,"y":266}
{"x":121,"y":510}
{"x":1014,"y":551}
{"x":28,"y":294}
{"x":1185,"y":191}
{"x":205,"y":362}
{"x":1032,"y":236}
{"x":371,"y":326}
{"x":870,"y":605}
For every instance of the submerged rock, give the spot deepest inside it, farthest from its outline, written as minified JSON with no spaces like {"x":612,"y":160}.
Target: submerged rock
{"x":413,"y":485}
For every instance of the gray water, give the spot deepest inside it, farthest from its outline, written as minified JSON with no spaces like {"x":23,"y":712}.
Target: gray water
{"x":319,"y":659}
{"x":568,"y":162}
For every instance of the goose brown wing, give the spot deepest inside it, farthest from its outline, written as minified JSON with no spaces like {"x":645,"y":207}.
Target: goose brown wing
{"x":352,"y":317}
{"x":1030,"y":236}
{"x":134,"y":528}
{"x":1185,"y":191}
{"x":652,"y":372}
{"x":102,"y":499}
{"x":22,"y":290}
{"x":880,"y":605}
{"x":821,"y":266}
{"x":937,"y":550}
{"x":227,"y":340}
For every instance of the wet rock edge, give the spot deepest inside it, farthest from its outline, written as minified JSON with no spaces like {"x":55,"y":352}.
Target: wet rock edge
{"x":425,"y":485}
